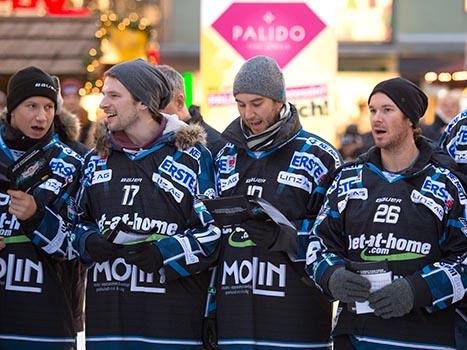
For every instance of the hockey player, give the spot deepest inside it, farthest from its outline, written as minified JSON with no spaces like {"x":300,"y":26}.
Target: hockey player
{"x":36,"y":213}
{"x":401,"y":211}
{"x":148,"y":174}
{"x":453,"y":141}
{"x":263,"y":299}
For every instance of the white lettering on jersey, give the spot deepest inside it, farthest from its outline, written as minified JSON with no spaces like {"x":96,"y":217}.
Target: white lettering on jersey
{"x":51,"y":185}
{"x":100,"y":176}
{"x":295,"y":180}
{"x":430,"y":203}
{"x":168,"y":187}
{"x":230,"y":182}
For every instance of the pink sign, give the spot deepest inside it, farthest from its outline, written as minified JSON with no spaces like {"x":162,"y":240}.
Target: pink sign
{"x":279,"y":30}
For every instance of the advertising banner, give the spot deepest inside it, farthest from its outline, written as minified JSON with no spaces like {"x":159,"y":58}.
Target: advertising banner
{"x":300,"y":36}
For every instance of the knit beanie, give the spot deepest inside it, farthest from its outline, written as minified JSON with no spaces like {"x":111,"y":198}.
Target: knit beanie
{"x":27,"y":83}
{"x":144,"y":81}
{"x":406,"y":95}
{"x":262,"y":76}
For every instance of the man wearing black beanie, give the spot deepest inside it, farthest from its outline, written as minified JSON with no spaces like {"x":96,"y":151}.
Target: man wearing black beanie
{"x":40,"y":176}
{"x":399,"y":209}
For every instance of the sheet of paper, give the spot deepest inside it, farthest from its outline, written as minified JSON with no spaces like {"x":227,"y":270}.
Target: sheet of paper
{"x":274,"y":213}
{"x":378,"y":281}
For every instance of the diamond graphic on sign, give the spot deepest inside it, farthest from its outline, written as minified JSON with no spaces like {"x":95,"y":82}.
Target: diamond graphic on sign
{"x":279,"y":30}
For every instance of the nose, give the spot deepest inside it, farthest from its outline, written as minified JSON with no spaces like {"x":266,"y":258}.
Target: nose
{"x":376,"y":116}
{"x":41,"y":114}
{"x":249,"y":111}
{"x":103,"y":103}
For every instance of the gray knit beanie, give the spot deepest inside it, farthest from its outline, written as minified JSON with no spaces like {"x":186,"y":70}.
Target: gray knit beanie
{"x":260,"y":75}
{"x":144,"y":81}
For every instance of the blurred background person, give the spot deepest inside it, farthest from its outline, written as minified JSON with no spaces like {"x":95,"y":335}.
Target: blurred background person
{"x":71,"y":102}
{"x":178,"y":107}
{"x":351,"y":143}
{"x":2,"y":100}
{"x":448,"y":106}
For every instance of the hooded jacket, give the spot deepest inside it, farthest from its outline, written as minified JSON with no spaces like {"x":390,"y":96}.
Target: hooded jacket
{"x":153,"y":191}
{"x":415,"y":221}
{"x":45,"y":289}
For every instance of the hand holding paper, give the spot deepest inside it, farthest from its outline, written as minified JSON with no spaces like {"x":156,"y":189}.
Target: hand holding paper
{"x":263,"y":233}
{"x":394,"y":300}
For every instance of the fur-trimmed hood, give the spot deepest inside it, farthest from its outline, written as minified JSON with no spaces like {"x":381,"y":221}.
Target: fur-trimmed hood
{"x":176,"y":132}
{"x":66,"y":125}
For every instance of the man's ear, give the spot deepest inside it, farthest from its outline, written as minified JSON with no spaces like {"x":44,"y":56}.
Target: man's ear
{"x":180,"y":101}
{"x":141,"y":106}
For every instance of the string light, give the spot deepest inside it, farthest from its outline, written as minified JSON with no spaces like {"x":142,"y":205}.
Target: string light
{"x":106,"y":21}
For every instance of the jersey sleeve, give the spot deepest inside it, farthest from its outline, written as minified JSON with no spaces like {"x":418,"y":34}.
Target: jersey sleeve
{"x":50,"y":228}
{"x":331,"y":160}
{"x":442,"y":283}
{"x":454,"y":140}
{"x":195,"y":249}
{"x":326,"y":249}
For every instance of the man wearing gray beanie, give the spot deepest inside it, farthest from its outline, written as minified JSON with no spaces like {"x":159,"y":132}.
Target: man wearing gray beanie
{"x":401,"y":194}
{"x":143,"y":220}
{"x":269,"y":155}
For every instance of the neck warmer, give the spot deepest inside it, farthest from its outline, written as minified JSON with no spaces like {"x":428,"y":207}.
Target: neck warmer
{"x":16,"y":140}
{"x":261,"y":141}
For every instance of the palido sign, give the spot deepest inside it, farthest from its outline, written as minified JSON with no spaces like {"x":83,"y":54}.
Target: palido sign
{"x":299,"y":35}
{"x":279,"y":30}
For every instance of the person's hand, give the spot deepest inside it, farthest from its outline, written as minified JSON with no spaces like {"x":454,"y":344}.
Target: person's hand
{"x":263,"y":233}
{"x":144,"y":255}
{"x":2,"y":242}
{"x":100,"y":249}
{"x":348,"y":286}
{"x":210,"y":334}
{"x":394,"y":300}
{"x":22,"y":205}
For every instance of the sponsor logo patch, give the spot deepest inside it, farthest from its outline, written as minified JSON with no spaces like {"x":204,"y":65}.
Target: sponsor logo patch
{"x":430,"y":203}
{"x":295,"y":180}
{"x":436,"y":188}
{"x":179,"y":173}
{"x":168,"y":187}
{"x":226,"y":164}
{"x":61,"y":168}
{"x":101,"y":176}
{"x":230,"y":182}
{"x":310,"y":163}
{"x":51,"y":185}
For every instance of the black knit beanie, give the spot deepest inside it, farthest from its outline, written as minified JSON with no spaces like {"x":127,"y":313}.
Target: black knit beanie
{"x":27,"y":83}
{"x":406,"y":95}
